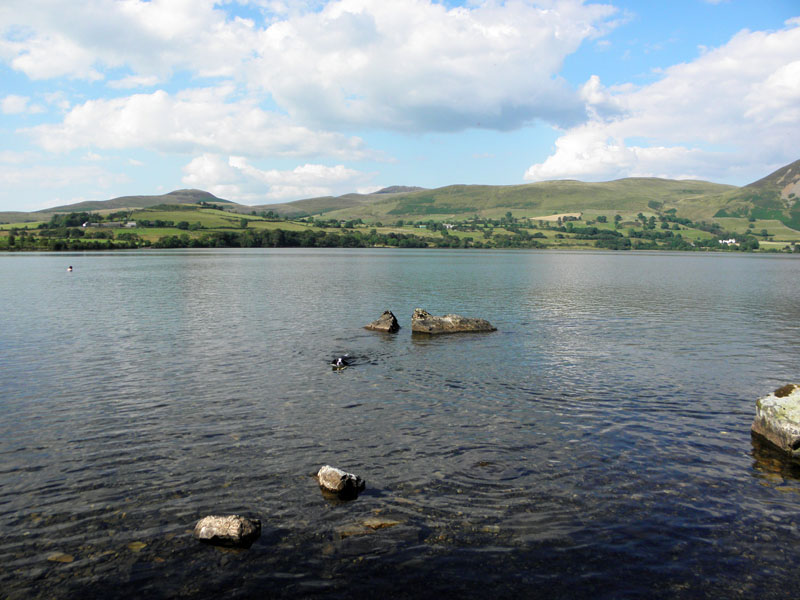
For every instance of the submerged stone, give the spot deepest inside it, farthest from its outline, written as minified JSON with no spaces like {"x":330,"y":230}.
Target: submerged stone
{"x":376,"y":523}
{"x":60,"y":557}
{"x":386,"y":323}
{"x":424,"y":322}
{"x":778,"y":418}
{"x":335,"y":481}
{"x":228,"y":530}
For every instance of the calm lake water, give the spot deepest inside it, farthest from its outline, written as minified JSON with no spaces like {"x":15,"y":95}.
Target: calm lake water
{"x":597,"y":445}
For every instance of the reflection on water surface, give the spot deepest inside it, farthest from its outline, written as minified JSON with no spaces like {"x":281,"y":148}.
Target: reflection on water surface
{"x":596,"y":445}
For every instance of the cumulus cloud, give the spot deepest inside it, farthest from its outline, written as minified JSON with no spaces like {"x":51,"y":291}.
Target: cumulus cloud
{"x":190,"y":122}
{"x":15,"y":158}
{"x":407,"y":65}
{"x":234,"y":178}
{"x":82,"y":39}
{"x":134,"y":81}
{"x":51,"y":176}
{"x":735,"y":105}
{"x":16,"y":105}
{"x":416,"y":65}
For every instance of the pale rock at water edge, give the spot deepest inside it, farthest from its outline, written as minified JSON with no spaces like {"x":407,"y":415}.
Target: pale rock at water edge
{"x":778,"y":418}
{"x":228,"y":530}
{"x":341,"y":483}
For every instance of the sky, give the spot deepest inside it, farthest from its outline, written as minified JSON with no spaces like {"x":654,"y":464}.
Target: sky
{"x":266,"y":101}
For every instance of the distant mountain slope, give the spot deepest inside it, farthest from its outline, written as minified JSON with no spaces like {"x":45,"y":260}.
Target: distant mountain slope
{"x":315,"y":206}
{"x":546,"y":197}
{"x":123,"y":202}
{"x":633,"y":194}
{"x":396,"y":189}
{"x":772,"y":197}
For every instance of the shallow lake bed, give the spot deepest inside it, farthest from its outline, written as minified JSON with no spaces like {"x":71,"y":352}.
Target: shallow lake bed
{"x":596,"y":445}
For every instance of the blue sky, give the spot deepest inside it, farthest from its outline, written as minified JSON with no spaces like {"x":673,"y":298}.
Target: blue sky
{"x":263,"y":101}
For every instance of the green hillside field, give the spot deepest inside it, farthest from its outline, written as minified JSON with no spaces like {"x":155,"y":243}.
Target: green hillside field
{"x":195,"y":226}
{"x":632,"y":213}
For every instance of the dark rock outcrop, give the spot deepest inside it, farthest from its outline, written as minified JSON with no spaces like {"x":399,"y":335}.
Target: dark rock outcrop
{"x":387,"y":323}
{"x":778,"y":418}
{"x":424,"y":322}
{"x":228,"y":530}
{"x":340,"y":483}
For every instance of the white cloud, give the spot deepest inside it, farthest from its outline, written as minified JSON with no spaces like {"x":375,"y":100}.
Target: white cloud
{"x":236,"y":179}
{"x":58,"y":99}
{"x":82,"y":39}
{"x":51,"y":55}
{"x":49,"y":176}
{"x":401,"y":65}
{"x":15,"y":158}
{"x":14,"y":105}
{"x":201,"y":120}
{"x":732,"y":107}
{"x":134,"y":81}
{"x":415,"y":65}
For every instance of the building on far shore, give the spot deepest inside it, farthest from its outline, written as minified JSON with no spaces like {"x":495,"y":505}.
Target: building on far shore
{"x":112,"y":224}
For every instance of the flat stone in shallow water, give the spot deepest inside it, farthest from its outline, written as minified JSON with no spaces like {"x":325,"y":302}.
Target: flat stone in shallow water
{"x":778,"y":418}
{"x":60,"y":557}
{"x":424,"y":322}
{"x":376,"y":523}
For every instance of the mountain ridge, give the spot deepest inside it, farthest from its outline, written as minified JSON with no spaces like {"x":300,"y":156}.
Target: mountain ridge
{"x":771,"y":197}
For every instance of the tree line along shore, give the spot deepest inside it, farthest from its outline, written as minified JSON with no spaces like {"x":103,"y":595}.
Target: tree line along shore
{"x":214,"y":227}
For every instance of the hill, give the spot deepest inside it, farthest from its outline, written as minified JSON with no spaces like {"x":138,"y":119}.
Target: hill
{"x":395,"y":189}
{"x":325,"y":204}
{"x":772,"y":197}
{"x":536,"y":199}
{"x":129,"y":202}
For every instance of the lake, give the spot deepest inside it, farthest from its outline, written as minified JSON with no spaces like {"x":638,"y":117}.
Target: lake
{"x":597,"y":445}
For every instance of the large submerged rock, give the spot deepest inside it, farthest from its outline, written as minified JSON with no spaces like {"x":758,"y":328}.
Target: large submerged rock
{"x":424,"y":322}
{"x":228,"y":530}
{"x":340,"y":483}
{"x":387,"y":323}
{"x":778,"y":418}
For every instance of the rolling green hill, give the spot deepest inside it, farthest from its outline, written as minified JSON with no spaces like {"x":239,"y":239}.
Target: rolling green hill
{"x":773,"y":198}
{"x":130,"y":202}
{"x":624,"y":195}
{"x":536,"y":199}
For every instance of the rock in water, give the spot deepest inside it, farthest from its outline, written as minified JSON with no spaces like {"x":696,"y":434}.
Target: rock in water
{"x":335,"y":481}
{"x":424,"y":322}
{"x":229,"y":530}
{"x":387,"y":323}
{"x":778,"y":418}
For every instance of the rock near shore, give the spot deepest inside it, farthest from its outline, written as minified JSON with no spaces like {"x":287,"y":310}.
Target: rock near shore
{"x":342,"y":484}
{"x":424,"y":322}
{"x":228,"y":530}
{"x":386,"y":323}
{"x":778,"y":418}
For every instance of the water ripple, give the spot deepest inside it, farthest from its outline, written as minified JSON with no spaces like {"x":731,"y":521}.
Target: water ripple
{"x":597,"y":444}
